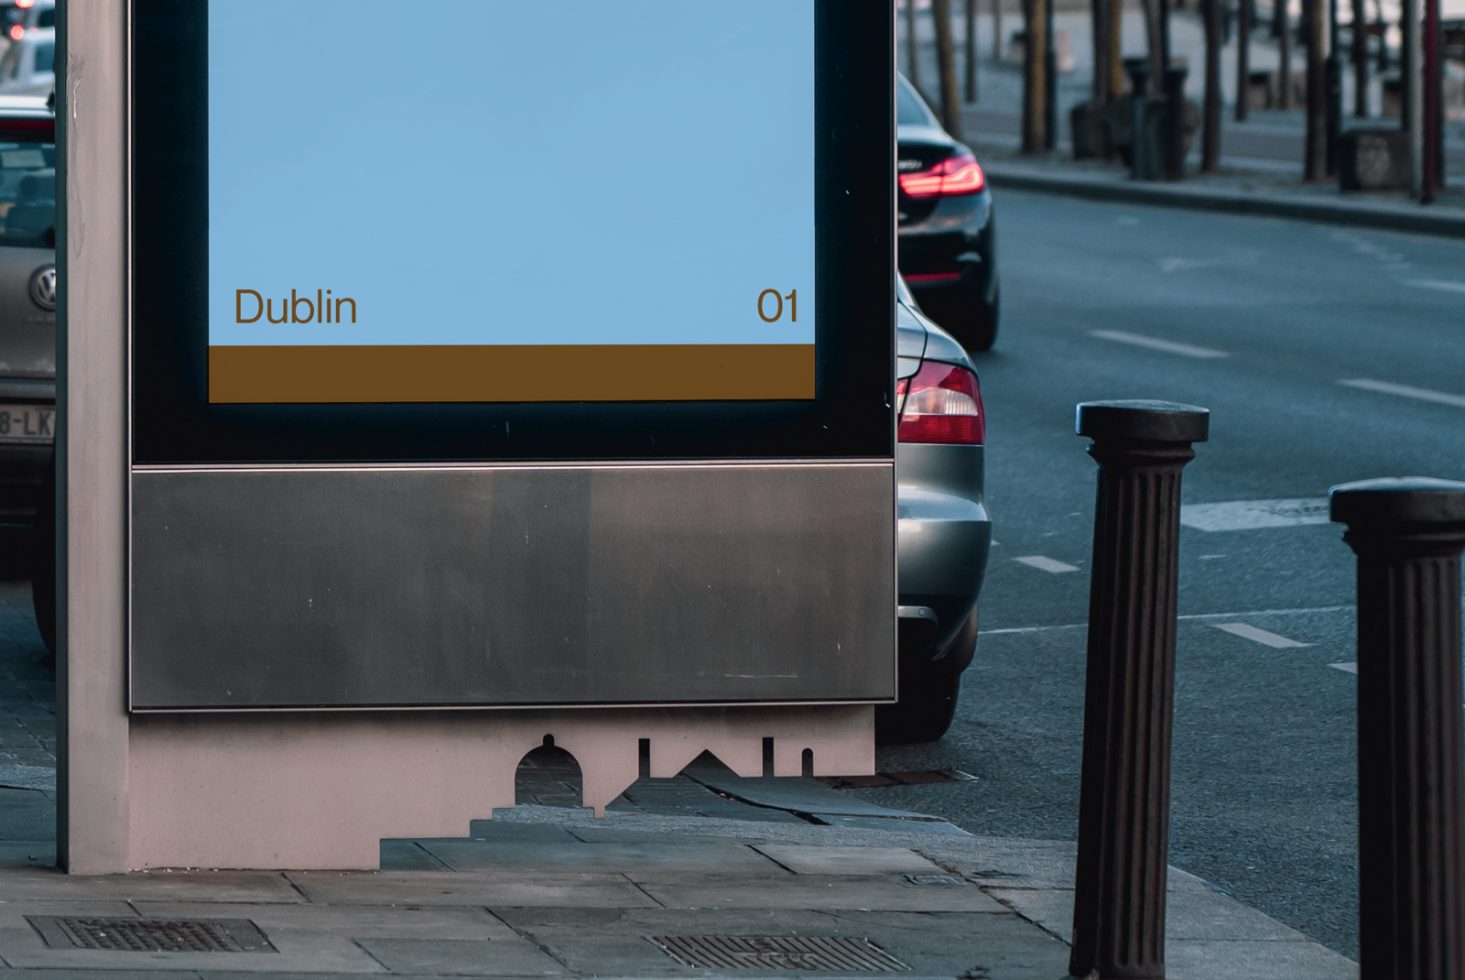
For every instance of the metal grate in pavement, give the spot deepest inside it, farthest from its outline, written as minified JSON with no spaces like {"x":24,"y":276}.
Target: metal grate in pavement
{"x":825,"y":954}
{"x":151,"y":935}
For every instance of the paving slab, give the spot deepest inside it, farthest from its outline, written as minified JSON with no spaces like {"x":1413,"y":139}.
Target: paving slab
{"x":809,"y":859}
{"x":811,"y":892}
{"x":196,"y":886}
{"x":312,"y":938}
{"x":512,"y":888}
{"x":666,"y":855}
{"x":462,"y":957}
{"x":1215,"y":960}
{"x":797,"y":795}
{"x":1190,"y":915}
{"x":407,"y":855}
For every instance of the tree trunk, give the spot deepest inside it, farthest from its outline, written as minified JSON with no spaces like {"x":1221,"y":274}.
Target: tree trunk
{"x":1154,"y":33}
{"x":1283,"y":28}
{"x":971,"y":50}
{"x":912,"y":46}
{"x":1117,"y":77}
{"x":1243,"y":59}
{"x":946,"y":67}
{"x":1316,"y":163}
{"x":1360,"y":59}
{"x":1035,"y":76}
{"x":1210,"y":150}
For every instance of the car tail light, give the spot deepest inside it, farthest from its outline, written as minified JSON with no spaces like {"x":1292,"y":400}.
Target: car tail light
{"x":951,"y":177}
{"x":942,"y":403}
{"x":17,"y":31}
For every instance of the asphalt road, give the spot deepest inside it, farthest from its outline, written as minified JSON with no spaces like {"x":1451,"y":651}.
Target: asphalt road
{"x":1294,"y":336}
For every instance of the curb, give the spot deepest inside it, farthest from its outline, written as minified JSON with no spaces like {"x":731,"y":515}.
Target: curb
{"x":1233,"y":202}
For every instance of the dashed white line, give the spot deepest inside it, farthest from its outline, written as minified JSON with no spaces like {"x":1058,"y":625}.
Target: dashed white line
{"x":1187,"y":617}
{"x":1249,"y":515}
{"x":1405,"y":391}
{"x":1265,"y":637}
{"x":1044,"y":564}
{"x":1347,"y":666}
{"x":1443,"y":285}
{"x":1155,"y":343}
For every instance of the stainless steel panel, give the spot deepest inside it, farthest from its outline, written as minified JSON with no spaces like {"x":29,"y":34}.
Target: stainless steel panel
{"x":504,"y":586}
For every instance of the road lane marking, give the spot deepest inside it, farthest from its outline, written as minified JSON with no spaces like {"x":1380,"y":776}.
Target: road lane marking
{"x":1265,"y":637}
{"x":1155,"y":343}
{"x":1044,"y":564}
{"x":1249,"y":515}
{"x":1347,"y":666}
{"x":1198,"y":617}
{"x":1405,"y":391}
{"x":1444,"y":285}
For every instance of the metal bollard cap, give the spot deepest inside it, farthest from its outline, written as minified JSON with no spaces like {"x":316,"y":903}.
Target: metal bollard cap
{"x":1142,"y":420}
{"x":1398,"y":500}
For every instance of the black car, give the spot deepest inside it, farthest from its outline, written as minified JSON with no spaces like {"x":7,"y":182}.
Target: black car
{"x":947,"y":250}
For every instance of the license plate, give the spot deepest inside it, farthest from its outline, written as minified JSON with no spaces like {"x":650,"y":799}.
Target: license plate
{"x":27,"y":423}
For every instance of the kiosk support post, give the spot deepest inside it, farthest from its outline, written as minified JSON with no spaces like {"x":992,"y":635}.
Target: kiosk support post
{"x":92,"y":257}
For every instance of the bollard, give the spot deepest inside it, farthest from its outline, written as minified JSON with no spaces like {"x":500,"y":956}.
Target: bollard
{"x":1408,"y":535}
{"x":1175,"y":122}
{"x":1139,"y":92}
{"x":1124,"y":797}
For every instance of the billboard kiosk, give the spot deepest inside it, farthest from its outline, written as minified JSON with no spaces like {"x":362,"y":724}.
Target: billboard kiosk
{"x":532,"y":395}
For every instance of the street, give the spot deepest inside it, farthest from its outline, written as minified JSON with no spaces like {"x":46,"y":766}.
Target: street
{"x":1325,"y":355}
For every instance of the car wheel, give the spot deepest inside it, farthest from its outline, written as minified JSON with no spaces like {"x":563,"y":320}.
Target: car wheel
{"x":926,"y":708}
{"x":43,"y":563}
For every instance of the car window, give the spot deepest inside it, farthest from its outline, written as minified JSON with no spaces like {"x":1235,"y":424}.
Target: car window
{"x":45,"y":57}
{"x":46,"y":18}
{"x":909,"y":109}
{"x":27,"y":193}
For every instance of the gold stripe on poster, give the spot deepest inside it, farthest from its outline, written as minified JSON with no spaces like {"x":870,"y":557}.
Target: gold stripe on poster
{"x":521,"y":373}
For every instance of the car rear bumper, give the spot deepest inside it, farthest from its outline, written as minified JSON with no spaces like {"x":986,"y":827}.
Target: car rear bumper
{"x":22,"y":469}
{"x":945,"y":534}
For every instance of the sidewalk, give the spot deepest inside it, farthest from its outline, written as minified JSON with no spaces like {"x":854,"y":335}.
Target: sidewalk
{"x":672,"y":883}
{"x":1261,"y":158}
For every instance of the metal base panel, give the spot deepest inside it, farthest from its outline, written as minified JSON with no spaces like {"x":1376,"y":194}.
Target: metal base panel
{"x":512,"y":586}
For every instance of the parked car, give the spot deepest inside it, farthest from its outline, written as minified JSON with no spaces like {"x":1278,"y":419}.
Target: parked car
{"x":944,"y":530}
{"x":28,"y":66}
{"x":948,"y":251}
{"x":27,"y":309}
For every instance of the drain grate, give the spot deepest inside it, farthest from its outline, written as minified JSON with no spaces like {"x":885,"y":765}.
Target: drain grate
{"x":919,"y":778}
{"x":151,"y":935}
{"x":827,"y":954}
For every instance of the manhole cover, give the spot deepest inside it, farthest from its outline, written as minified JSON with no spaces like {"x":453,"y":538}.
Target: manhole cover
{"x":826,"y":954}
{"x":152,"y":935}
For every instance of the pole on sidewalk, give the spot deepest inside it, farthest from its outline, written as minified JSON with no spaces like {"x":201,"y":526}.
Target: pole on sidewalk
{"x":1139,"y":143}
{"x":1175,"y":117}
{"x":1129,"y":706}
{"x":1408,"y":535}
{"x":969,"y":22}
{"x":1050,"y":81}
{"x":1243,"y":60}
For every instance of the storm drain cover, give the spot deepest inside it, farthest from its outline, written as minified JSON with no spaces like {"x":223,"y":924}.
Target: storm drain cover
{"x":826,"y":954}
{"x":151,"y":935}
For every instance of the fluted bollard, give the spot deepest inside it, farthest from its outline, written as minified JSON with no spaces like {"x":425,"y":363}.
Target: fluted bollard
{"x":1408,"y":535}
{"x":1124,"y":802}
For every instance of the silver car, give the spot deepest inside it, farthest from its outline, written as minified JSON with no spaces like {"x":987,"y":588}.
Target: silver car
{"x":944,"y":528}
{"x":27,"y":302}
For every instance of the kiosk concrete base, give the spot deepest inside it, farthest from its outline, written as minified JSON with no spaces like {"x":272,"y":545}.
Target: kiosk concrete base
{"x":320,"y":791}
